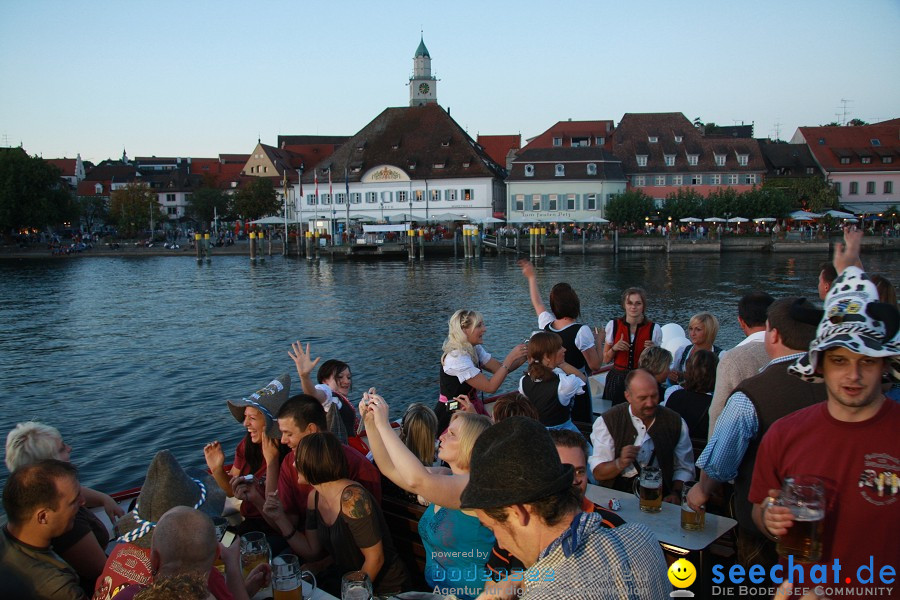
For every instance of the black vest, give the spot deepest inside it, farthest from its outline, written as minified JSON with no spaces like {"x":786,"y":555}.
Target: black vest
{"x":450,"y":388}
{"x":774,"y":393}
{"x":544,"y":396}
{"x":665,"y":432}
{"x":573,"y":355}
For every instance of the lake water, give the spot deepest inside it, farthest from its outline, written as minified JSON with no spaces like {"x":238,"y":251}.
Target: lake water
{"x":127,"y":356}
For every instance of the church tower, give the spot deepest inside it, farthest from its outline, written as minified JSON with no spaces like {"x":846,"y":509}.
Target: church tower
{"x":422,"y":84}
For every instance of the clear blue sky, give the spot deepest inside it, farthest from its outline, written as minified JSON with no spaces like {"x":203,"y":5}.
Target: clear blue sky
{"x":199,"y":78}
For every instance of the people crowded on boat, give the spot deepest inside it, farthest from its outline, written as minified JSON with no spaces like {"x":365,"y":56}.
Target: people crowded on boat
{"x":344,"y":529}
{"x":702,"y":331}
{"x":624,"y":340}
{"x":332,"y":389}
{"x":257,"y":459}
{"x":692,"y":399}
{"x":578,"y":340}
{"x":657,"y":361}
{"x":83,"y":545}
{"x":418,"y":432}
{"x":462,"y":362}
{"x":455,"y":543}
{"x":550,"y":383}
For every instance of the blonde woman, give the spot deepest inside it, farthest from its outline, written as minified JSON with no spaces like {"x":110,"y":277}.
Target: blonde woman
{"x":702,"y":330}
{"x":455,"y":542}
{"x":462,"y":362}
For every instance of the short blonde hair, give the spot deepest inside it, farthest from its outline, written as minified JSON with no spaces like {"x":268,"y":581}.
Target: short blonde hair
{"x":710,"y":323}
{"x":655,"y":359}
{"x":456,"y":333}
{"x":30,"y":442}
{"x":470,"y":427}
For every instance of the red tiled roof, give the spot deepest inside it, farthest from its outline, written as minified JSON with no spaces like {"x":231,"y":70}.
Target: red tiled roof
{"x":66,"y":165}
{"x":878,"y":143}
{"x":569,"y":129}
{"x":498,"y":146}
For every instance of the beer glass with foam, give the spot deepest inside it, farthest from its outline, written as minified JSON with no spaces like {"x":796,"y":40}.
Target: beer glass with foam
{"x":254,"y":551}
{"x":650,"y":489}
{"x":356,"y":585}
{"x":287,"y":578}
{"x":805,"y":496}
{"x":690,"y":519}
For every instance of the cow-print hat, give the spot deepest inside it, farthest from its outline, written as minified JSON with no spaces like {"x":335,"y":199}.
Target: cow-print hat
{"x":854,"y":319}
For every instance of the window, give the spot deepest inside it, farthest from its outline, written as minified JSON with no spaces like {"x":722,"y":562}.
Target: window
{"x":591,"y":202}
{"x":172,"y":210}
{"x":845,"y":160}
{"x":696,"y":179}
{"x":520,"y":202}
{"x":326,"y":198}
{"x":837,"y":187}
{"x":865,"y":160}
{"x":579,"y":142}
{"x":810,"y":170}
{"x":529,"y":170}
{"x":743,"y":159}
{"x":560,"y":170}
{"x":660,"y":180}
{"x":265,"y":169}
{"x":570,"y":201}
{"x":340,"y":198}
{"x":720,"y":160}
{"x":642,"y":160}
{"x":888,"y":187}
{"x":371,"y":197}
{"x":638,"y":181}
{"x":420,"y":196}
{"x":692,"y":159}
{"x":715,"y":180}
{"x":733,"y":179}
{"x":98,"y":188}
{"x":670,"y":160}
{"x":387,"y":197}
{"x":402,"y":196}
{"x":750,"y":179}
{"x":854,"y":188}
{"x":599,"y":141}
{"x":435,"y":195}
{"x":875,"y":142}
{"x":355,"y":198}
{"x":592,"y":169}
{"x":450,"y":195}
{"x":170,"y":197}
{"x":445,"y":143}
{"x":677,"y":180}
{"x":552,"y":202}
{"x":678,"y":139}
{"x":887,"y":159}
{"x":536,"y":202}
{"x":310,"y":199}
{"x":870,"y":187}
{"x":652,"y":139}
{"x":439,"y":164}
{"x":557,"y":141}
{"x":468,"y":194}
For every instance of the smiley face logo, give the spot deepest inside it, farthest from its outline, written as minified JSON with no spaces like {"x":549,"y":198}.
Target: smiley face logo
{"x":682,"y":573}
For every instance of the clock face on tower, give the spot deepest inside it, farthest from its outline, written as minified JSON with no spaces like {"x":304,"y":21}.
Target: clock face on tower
{"x":423,"y":88}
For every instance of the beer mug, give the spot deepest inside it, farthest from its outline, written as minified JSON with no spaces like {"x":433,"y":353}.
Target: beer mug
{"x":649,"y":489}
{"x":805,"y":496}
{"x":287,"y":578}
{"x":356,"y":585}
{"x":690,"y":519}
{"x":254,"y":551}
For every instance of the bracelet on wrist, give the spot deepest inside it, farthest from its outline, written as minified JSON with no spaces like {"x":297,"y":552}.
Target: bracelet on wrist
{"x":291,"y":534}
{"x":505,"y":367}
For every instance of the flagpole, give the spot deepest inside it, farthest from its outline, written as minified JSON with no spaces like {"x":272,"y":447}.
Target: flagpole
{"x":347,"y":201}
{"x":331,"y":200}
{"x":285,"y":190}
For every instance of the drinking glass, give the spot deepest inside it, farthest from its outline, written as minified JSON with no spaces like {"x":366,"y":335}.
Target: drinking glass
{"x":650,"y":489}
{"x":287,"y":578}
{"x":805,"y":496}
{"x":254,"y":551}
{"x":690,"y":519}
{"x":356,"y":585}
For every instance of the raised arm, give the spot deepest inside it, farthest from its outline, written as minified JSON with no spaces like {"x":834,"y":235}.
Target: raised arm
{"x":305,"y":366}
{"x":533,"y":291}
{"x":847,"y":254}
{"x":215,"y":461}
{"x":443,"y":490}
{"x":379,"y":452}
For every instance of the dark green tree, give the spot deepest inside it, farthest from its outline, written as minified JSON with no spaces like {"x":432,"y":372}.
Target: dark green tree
{"x":93,"y":210}
{"x":32,"y":195}
{"x":684,"y":203}
{"x":205,"y":203}
{"x":856,"y":122}
{"x":256,"y":200}
{"x":630,"y":207}
{"x":723,"y":202}
{"x":760,"y":202}
{"x":131,"y":208}
{"x":809,"y":193}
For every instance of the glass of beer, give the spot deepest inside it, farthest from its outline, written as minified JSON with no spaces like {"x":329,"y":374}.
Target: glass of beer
{"x":650,"y":489}
{"x":356,"y":585}
{"x":690,"y":519}
{"x":805,"y":496}
{"x":254,"y":551}
{"x":286,"y":583}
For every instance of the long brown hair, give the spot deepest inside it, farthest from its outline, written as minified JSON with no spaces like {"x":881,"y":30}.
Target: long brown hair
{"x":542,"y":345}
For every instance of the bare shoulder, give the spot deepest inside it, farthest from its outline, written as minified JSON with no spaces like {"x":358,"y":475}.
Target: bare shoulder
{"x":356,"y":502}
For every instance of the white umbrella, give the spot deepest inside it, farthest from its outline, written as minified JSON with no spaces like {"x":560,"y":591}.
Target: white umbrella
{"x":764,"y":220}
{"x":448,"y":216}
{"x":405,"y":217}
{"x":839,"y":214}
{"x":363,"y":218}
{"x":803,"y":215}
{"x":593,"y":220}
{"x":738,"y":220}
{"x":714,"y":220}
{"x":490,"y":220}
{"x":690,"y":220}
{"x":269,"y":221}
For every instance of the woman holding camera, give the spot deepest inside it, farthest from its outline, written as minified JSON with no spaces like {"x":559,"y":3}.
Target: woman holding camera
{"x":462,"y":362}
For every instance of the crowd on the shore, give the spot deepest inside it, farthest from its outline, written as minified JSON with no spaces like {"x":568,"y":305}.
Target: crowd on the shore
{"x":809,"y":392}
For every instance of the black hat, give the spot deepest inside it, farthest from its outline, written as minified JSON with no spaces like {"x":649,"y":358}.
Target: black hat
{"x":514,"y":462}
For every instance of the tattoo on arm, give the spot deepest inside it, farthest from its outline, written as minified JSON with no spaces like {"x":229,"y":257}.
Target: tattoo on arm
{"x":355,"y":502}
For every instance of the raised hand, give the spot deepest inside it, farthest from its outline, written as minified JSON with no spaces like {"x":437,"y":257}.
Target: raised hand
{"x":215,"y":457}
{"x":302,"y":359}
{"x":777,"y":519}
{"x":270,"y":448}
{"x":527,"y":268}
{"x":516,"y":357}
{"x":847,"y":254}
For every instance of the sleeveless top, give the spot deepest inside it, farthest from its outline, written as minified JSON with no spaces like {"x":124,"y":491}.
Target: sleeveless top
{"x":626,"y":361}
{"x":544,"y":396}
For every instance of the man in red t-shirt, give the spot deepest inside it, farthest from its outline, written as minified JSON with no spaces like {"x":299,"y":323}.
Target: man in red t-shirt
{"x":297,"y":418}
{"x":850,"y":443}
